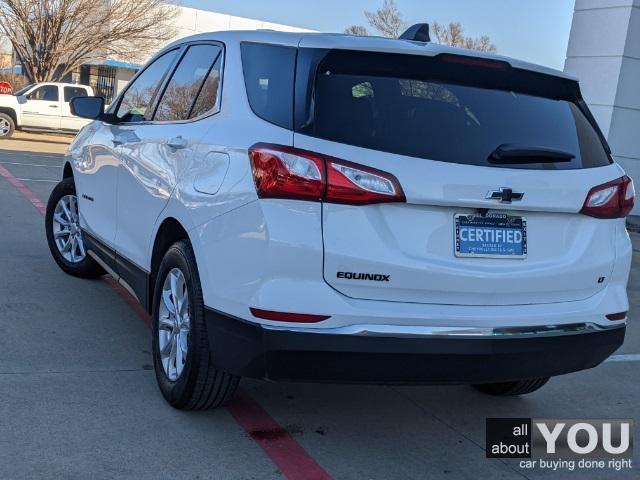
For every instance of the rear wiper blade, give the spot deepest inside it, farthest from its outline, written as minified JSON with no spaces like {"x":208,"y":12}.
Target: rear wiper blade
{"x":511,"y":154}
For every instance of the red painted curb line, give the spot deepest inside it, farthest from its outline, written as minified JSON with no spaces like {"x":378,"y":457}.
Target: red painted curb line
{"x":24,"y":190}
{"x":294,"y":462}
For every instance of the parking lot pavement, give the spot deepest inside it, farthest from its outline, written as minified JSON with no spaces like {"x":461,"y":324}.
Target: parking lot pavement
{"x":79,"y":400}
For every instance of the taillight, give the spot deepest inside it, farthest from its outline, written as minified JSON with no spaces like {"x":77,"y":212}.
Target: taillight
{"x":613,"y":199}
{"x":282,"y":172}
{"x":287,"y":172}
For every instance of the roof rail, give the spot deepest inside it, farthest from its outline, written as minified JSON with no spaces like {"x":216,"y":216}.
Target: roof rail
{"x":417,"y":33}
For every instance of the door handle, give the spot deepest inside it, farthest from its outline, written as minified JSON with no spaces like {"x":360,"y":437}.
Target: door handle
{"x":53,"y":106}
{"x":177,"y":143}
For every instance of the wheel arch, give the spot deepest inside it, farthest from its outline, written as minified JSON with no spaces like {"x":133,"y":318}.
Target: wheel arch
{"x":169,"y":232}
{"x":67,"y":171}
{"x":12,"y":113}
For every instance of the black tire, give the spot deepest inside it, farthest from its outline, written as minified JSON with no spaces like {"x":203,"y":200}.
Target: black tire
{"x":8,"y":124}
{"x":507,"y":389}
{"x":88,"y":267}
{"x":201,"y":385}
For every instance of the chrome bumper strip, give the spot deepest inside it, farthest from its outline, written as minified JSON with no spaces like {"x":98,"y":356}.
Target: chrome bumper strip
{"x":410,"y":331}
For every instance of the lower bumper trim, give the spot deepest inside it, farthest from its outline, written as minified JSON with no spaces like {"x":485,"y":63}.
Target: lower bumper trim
{"x":252,"y":350}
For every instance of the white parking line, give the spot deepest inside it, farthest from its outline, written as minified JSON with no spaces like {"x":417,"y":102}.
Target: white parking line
{"x":30,"y":164}
{"x":18,"y":153}
{"x":631,"y":357}
{"x":37,"y":180}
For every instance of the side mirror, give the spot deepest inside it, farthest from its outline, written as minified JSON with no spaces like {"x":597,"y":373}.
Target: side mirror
{"x":87,"y":107}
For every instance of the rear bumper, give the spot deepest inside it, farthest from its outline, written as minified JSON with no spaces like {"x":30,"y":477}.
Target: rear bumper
{"x":256,"y":351}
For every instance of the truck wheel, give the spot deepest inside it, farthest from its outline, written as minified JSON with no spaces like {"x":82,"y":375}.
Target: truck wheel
{"x":64,"y":235}
{"x":518,"y":387}
{"x":7,"y":126}
{"x":182,"y":358}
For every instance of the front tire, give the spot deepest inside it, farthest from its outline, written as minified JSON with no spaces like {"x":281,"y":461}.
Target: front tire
{"x":182,"y":357}
{"x":7,"y":125}
{"x":64,"y":236}
{"x":509,"y":389}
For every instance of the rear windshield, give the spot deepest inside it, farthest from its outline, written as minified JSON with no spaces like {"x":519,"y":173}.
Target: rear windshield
{"x":412,"y":106}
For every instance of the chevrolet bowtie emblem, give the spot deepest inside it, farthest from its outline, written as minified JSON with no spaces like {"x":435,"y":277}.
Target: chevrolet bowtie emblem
{"x":504,"y":195}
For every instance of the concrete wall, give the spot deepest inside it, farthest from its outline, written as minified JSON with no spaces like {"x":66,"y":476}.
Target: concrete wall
{"x":191,"y":20}
{"x":122,"y":78}
{"x":604,"y":53}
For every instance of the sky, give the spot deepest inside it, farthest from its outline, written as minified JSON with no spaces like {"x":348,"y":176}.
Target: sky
{"x":535,"y":31}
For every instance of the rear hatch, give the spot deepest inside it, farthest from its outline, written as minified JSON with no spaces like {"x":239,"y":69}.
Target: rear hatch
{"x":495,"y":164}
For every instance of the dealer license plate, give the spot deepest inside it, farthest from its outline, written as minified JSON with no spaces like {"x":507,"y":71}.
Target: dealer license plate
{"x":493,"y":235}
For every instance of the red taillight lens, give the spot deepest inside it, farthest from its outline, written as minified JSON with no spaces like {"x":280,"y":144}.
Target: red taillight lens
{"x":287,"y":172}
{"x":610,"y":200}
{"x":617,"y":316}
{"x":282,"y":172}
{"x":473,"y":61}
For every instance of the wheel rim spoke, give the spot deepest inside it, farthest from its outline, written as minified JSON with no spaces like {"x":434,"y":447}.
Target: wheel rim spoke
{"x":168,"y":303}
{"x":58,"y":218}
{"x":166,"y":349}
{"x":166,"y":323}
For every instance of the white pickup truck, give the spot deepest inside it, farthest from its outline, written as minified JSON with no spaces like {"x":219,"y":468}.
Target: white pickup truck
{"x":41,"y":107}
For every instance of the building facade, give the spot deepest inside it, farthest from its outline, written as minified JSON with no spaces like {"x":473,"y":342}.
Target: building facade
{"x":604,"y":53}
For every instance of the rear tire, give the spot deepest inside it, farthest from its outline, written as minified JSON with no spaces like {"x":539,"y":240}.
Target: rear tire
{"x":60,"y":219}
{"x":182,"y":357}
{"x":507,"y":389}
{"x":7,"y":126}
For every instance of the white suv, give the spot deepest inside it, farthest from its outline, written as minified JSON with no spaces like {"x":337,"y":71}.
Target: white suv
{"x":329,"y":208}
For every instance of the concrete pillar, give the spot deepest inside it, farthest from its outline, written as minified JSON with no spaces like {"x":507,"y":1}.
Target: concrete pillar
{"x":604,"y":53}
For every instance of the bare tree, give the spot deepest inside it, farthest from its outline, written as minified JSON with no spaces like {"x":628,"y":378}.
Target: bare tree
{"x":52,"y":37}
{"x":387,"y":19}
{"x":357,"y":30}
{"x":8,"y":74}
{"x":453,"y":34}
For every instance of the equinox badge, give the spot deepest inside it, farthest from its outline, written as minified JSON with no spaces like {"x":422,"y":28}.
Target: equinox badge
{"x":375,"y":277}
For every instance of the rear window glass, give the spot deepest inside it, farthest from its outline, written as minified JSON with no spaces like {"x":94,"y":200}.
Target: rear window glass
{"x":268,"y":76}
{"x":408,"y":111}
{"x":72,"y":92}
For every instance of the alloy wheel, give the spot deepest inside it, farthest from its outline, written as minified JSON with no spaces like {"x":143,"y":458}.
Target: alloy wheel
{"x":66,"y":230}
{"x":5,"y":128}
{"x":174,"y":324}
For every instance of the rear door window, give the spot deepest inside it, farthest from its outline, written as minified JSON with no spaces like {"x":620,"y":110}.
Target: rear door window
{"x":268,"y":77}
{"x":72,"y":92}
{"x":402,"y":108}
{"x":187,"y":84}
